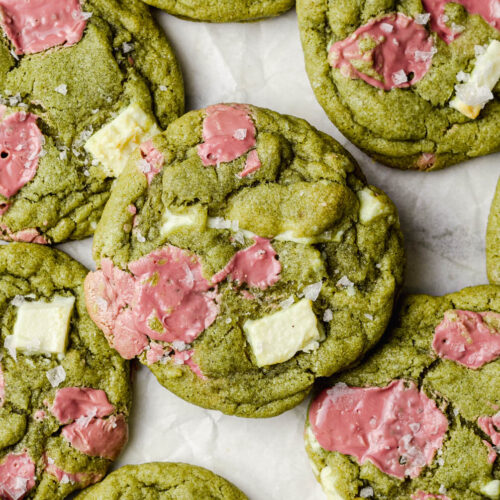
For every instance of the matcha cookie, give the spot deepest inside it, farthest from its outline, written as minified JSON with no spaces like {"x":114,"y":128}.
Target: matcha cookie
{"x":418,"y":418}
{"x":162,"y":480}
{"x":223,"y":11}
{"x":414,"y":83}
{"x":493,"y":240}
{"x":242,"y":255}
{"x":64,"y":394}
{"x":81,"y":85}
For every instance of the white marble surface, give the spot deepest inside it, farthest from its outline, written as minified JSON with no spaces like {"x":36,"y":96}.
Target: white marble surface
{"x":443,"y":215}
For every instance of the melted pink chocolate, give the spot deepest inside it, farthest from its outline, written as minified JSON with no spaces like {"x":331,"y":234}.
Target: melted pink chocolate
{"x":39,"y":415}
{"x":17,"y":476}
{"x":489,"y":10}
{"x":26,"y":235}
{"x":408,"y":47}
{"x":396,"y":427}
{"x":71,"y":403}
{"x":2,"y":387}
{"x":492,"y":454}
{"x":167,"y":290}
{"x":257,"y":266}
{"x":228,"y":133}
{"x":422,"y":495}
{"x":153,"y":159}
{"x":82,"y":478}
{"x":37,"y":25}
{"x":186,"y":358}
{"x":252,"y":164}
{"x":426,"y":161}
{"x":491,"y":426}
{"x":155,"y":353}
{"x":20,"y":147}
{"x":465,"y":338}
{"x":98,"y":437}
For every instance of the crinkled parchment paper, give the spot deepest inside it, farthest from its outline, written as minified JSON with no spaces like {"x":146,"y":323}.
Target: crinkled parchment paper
{"x":443,"y":214}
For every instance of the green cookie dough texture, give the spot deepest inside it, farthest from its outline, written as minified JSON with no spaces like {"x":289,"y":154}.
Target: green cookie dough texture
{"x":461,"y":469}
{"x":413,"y":128}
{"x":223,"y":11}
{"x":41,"y":273}
{"x":122,"y":58}
{"x":162,"y":480}
{"x":493,"y":240}
{"x":308,"y":186}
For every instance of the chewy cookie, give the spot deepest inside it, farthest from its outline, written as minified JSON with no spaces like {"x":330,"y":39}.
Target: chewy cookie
{"x":81,"y":84}
{"x":419,"y":417}
{"x":241,"y":256}
{"x":414,"y":83}
{"x":64,"y":394}
{"x":162,"y":480}
{"x":223,"y":11}
{"x":493,"y":240}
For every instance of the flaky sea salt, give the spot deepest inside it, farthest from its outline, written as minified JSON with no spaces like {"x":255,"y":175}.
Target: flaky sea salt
{"x":344,"y":282}
{"x":163,"y":88}
{"x":422,"y":55}
{"x":442,"y":490}
{"x":285,"y":304}
{"x":368,"y":316}
{"x":479,"y":50}
{"x":399,"y":77}
{"x":9,"y":345}
{"x":56,"y":376}
{"x":463,"y":77}
{"x":84,"y":420}
{"x":140,"y":237}
{"x":144,"y":166}
{"x":388,"y":28}
{"x":18,"y":300}
{"x":327,"y":315}
{"x":221,"y":223}
{"x":366,"y":492}
{"x":62,"y":89}
{"x":127,"y":47}
{"x":312,"y":292}
{"x":85,"y":15}
{"x":180,"y":346}
{"x":422,"y":18}
{"x":240,"y":134}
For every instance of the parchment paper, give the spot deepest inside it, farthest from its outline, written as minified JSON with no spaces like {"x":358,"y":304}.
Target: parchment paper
{"x":443,"y":214}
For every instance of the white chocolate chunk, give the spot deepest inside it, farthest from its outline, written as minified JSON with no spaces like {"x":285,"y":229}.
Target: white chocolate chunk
{"x":113,"y":144}
{"x":278,"y":337}
{"x":42,"y":327}
{"x":371,"y":205}
{"x":310,"y":240}
{"x":194,"y":217}
{"x":330,"y":483}
{"x":492,"y":489}
{"x":471,"y":97}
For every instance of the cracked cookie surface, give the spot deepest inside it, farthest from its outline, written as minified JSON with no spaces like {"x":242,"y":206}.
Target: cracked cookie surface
{"x":242,"y":255}
{"x":72,"y":92}
{"x":493,"y":239}
{"x":223,"y":11}
{"x":408,"y":122}
{"x":463,"y":464}
{"x":162,"y":480}
{"x":53,"y":406}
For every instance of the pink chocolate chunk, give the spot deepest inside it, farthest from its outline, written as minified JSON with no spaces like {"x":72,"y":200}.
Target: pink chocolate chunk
{"x":98,"y":437}
{"x":17,"y":476}
{"x":26,"y":235}
{"x":36,"y":25}
{"x":402,"y":56}
{"x":492,"y":454}
{"x":489,"y":10}
{"x":152,"y":161}
{"x":397,"y":428}
{"x":465,"y":338}
{"x":422,"y":495}
{"x":20,"y":147}
{"x":167,"y":298}
{"x":257,"y":266}
{"x":72,"y":403}
{"x":228,"y":133}
{"x":2,"y":387}
{"x":82,"y":478}
{"x":491,"y":426}
{"x":186,"y":358}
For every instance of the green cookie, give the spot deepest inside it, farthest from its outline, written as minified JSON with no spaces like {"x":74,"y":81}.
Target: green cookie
{"x":391,"y":92}
{"x":172,"y":481}
{"x":123,"y":75}
{"x":224,"y":11}
{"x":428,"y":348}
{"x":53,"y":388}
{"x":255,"y":260}
{"x":493,"y":240}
